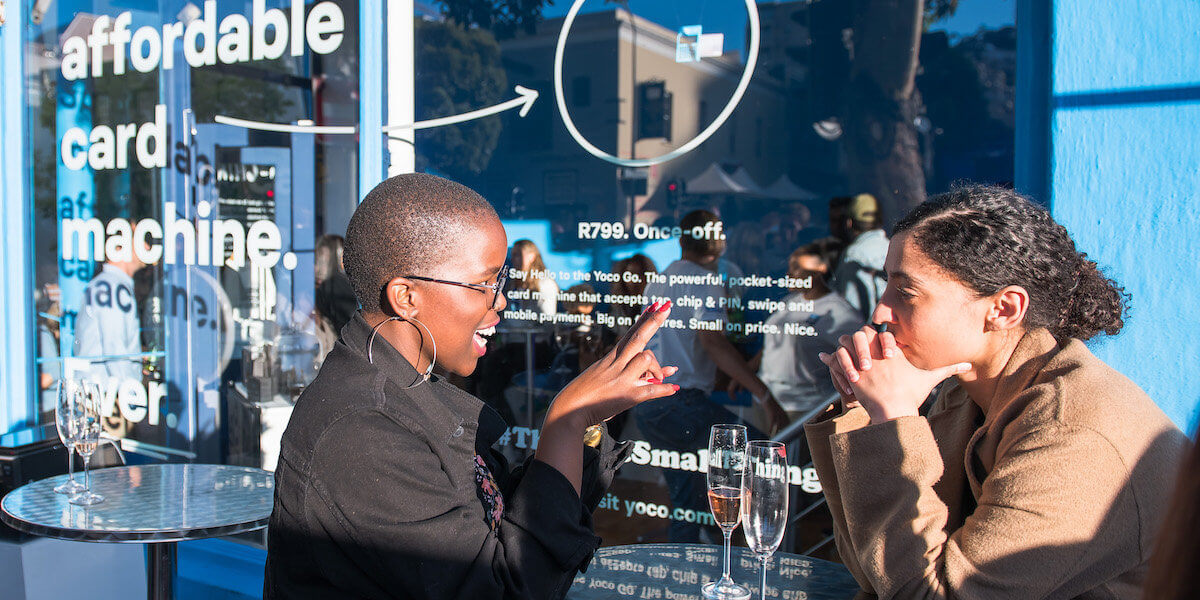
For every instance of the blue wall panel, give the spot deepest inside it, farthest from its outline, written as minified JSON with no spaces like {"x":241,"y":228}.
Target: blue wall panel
{"x":1125,"y":150}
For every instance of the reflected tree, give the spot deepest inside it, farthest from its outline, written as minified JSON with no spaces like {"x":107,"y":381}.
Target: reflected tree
{"x":457,"y":70}
{"x":881,"y":141}
{"x":502,"y":17}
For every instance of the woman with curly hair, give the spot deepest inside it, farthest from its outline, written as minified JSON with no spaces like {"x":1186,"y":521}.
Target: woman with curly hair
{"x":1039,"y":471}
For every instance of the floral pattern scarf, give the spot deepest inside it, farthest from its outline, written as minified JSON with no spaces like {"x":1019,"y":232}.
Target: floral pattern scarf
{"x":489,"y":493}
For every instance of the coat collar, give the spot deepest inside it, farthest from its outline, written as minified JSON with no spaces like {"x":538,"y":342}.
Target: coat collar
{"x":1034,"y":350}
{"x":446,"y":410}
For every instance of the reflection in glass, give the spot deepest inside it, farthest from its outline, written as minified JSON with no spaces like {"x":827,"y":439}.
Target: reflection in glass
{"x":87,"y":425}
{"x":66,"y":419}
{"x":726,"y":472}
{"x":765,"y":501}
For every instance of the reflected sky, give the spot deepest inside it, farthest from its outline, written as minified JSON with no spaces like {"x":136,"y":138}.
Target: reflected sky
{"x":718,"y":15}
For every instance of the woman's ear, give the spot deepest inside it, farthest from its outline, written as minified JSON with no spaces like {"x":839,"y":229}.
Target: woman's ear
{"x":1008,"y":308}
{"x":400,"y":298}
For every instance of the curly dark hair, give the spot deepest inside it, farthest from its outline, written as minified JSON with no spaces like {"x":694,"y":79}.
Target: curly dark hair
{"x":991,"y":237}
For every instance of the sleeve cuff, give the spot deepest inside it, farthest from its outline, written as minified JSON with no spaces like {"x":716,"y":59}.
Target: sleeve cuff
{"x":546,"y":507}
{"x":868,"y":457}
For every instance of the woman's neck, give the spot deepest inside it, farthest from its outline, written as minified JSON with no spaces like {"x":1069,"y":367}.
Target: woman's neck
{"x":982,"y":381}
{"x":405,"y":337}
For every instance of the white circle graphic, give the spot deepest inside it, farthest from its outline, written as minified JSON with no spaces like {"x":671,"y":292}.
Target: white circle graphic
{"x":289,"y":261}
{"x":559,"y":97}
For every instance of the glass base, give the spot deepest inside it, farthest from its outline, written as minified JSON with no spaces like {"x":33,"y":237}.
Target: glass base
{"x":70,"y":487}
{"x":86,"y":499}
{"x":724,"y":589}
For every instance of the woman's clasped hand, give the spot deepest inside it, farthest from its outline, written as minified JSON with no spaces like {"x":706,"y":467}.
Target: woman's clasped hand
{"x":871,"y":370}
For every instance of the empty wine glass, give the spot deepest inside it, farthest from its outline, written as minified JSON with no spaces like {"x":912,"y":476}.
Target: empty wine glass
{"x":765,"y":500}
{"x":65,"y":418}
{"x":88,"y":426}
{"x":726,"y":469}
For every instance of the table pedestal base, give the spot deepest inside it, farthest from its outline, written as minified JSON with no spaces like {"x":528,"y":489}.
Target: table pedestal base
{"x":160,"y":571}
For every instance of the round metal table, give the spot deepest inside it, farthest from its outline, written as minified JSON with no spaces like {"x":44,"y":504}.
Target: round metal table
{"x":678,"y":571}
{"x":156,"y":505}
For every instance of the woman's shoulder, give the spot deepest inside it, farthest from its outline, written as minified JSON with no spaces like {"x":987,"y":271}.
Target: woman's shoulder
{"x":1074,"y":389}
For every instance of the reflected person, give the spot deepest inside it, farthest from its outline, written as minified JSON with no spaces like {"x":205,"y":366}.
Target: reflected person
{"x":788,"y":362}
{"x":859,"y":275}
{"x":108,"y":319}
{"x":682,"y":422}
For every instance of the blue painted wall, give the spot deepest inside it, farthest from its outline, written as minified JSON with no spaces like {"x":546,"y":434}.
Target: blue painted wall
{"x":1124,"y":177}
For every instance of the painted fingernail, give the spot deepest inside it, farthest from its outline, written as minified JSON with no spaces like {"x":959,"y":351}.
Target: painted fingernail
{"x":651,"y":308}
{"x":674,"y":387}
{"x":889,"y":353}
{"x":665,"y":306}
{"x":866,"y":364}
{"x":654,"y":380}
{"x":853,"y":377}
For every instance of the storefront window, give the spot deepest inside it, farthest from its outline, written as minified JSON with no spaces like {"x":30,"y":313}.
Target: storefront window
{"x":188,"y":158}
{"x":648,"y":112}
{"x":195,"y":162}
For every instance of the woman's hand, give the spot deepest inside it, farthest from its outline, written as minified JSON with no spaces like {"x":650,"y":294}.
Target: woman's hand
{"x":626,"y":376}
{"x":870,"y":369}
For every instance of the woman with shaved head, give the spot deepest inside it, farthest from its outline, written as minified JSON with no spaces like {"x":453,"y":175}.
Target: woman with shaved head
{"x":387,"y":484}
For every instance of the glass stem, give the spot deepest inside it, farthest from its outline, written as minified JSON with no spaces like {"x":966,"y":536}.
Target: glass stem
{"x":71,"y":463}
{"x":728,"y":537}
{"x":87,"y":476}
{"x":763,"y":589}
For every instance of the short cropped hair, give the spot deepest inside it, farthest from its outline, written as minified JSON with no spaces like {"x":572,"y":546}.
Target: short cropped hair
{"x":408,"y":225}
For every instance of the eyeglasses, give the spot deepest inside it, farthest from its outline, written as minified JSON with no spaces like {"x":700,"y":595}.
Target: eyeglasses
{"x":495,"y":288}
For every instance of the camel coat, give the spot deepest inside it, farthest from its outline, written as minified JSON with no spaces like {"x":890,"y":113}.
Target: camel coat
{"x":1056,"y":493}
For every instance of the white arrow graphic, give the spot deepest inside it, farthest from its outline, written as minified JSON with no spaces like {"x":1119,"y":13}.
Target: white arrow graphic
{"x":299,"y":128}
{"x":526,"y":98}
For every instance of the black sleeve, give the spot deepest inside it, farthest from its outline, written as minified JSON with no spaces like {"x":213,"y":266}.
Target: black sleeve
{"x":401,"y":528}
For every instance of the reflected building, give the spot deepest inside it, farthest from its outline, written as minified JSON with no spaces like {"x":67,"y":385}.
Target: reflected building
{"x":538,"y":169}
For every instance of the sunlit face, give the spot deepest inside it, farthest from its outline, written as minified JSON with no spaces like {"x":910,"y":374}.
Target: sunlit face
{"x":459,"y":318}
{"x":936,"y":319}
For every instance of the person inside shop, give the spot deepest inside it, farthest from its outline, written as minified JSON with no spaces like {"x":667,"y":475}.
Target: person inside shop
{"x":859,"y":275}
{"x":49,"y":317}
{"x":630,"y":282}
{"x":531,"y":292}
{"x":788,"y":362}
{"x":335,"y":301}
{"x":107,"y":330}
{"x":530,"y":275}
{"x":682,"y":422}
{"x":1039,"y":471}
{"x":388,"y":485}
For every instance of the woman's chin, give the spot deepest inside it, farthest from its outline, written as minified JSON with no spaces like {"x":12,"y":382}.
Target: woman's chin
{"x":464,"y":368}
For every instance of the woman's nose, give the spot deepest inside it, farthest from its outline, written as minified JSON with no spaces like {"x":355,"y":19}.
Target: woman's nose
{"x":881,"y":314}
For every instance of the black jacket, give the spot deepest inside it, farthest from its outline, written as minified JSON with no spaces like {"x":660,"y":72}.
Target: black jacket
{"x":384,"y":492}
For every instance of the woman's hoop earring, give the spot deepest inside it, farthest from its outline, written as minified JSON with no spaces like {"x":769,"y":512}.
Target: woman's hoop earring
{"x":428,"y":371}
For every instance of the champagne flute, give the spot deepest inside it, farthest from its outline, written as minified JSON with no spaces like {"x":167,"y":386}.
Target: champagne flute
{"x":89,"y":425}
{"x":765,"y":501}
{"x":65,"y":418}
{"x":726,"y":470}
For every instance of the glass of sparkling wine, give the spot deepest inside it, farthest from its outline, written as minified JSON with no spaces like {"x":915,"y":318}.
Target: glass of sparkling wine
{"x":765,"y":501}
{"x":66,"y":416}
{"x":726,"y":471}
{"x":88,"y":427}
